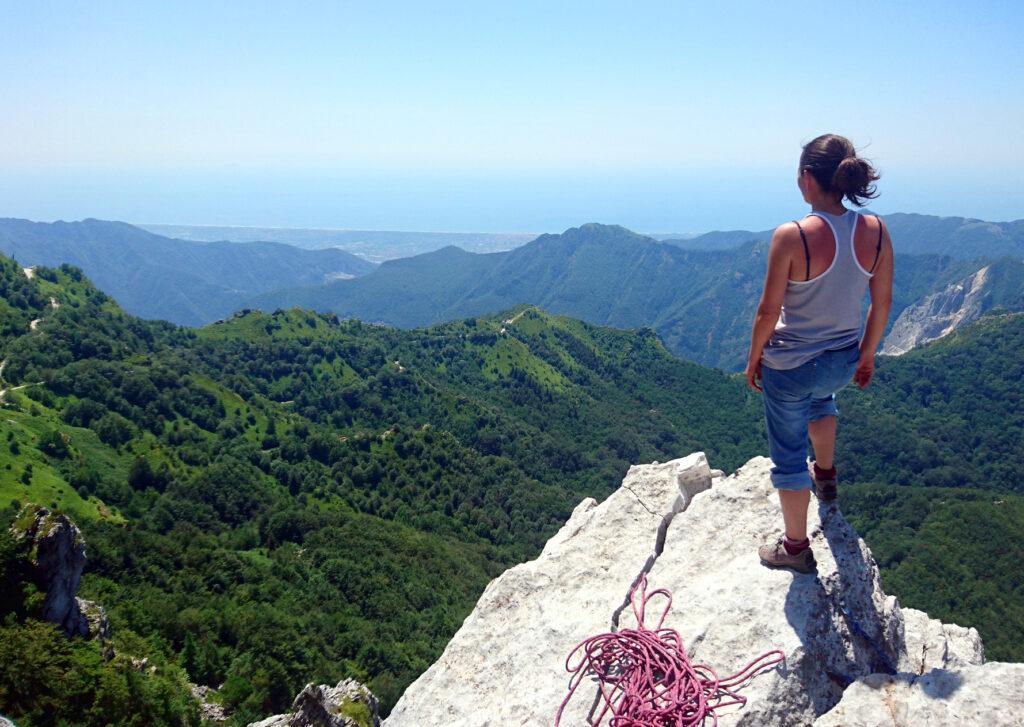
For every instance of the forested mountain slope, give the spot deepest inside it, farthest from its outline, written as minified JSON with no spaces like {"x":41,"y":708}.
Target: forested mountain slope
{"x":998,"y":285}
{"x":188,"y":283}
{"x":275,"y":500}
{"x":285,"y":498}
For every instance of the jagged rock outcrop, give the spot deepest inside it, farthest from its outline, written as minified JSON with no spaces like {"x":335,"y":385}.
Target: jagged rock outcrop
{"x":56,"y":554}
{"x":347,"y":704}
{"x":998,"y":285}
{"x":97,"y":626}
{"x":209,"y":709}
{"x":938,"y":314}
{"x":695,"y":534}
{"x":506,"y":665}
{"x":986,"y":694}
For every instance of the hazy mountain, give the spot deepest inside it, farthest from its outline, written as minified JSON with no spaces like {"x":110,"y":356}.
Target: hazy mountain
{"x":188,"y":283}
{"x":912,"y":234}
{"x":720,"y":239}
{"x":376,"y":245}
{"x":915,"y":234}
{"x":701,"y":303}
{"x":699,"y":294}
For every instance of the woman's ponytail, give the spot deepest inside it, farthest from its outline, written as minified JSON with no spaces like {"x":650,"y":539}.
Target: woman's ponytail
{"x":835,"y":165}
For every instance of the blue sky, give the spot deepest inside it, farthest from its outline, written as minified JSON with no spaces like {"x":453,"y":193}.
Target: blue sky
{"x":485,"y":116}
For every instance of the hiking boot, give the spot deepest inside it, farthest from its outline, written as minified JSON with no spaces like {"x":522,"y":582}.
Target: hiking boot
{"x":826,"y":489}
{"x":775,"y":556}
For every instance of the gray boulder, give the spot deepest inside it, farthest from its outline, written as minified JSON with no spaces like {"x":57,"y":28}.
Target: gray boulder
{"x":347,"y":704}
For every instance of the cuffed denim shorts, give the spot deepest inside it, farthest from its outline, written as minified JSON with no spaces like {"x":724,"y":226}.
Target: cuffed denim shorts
{"x":795,"y":397}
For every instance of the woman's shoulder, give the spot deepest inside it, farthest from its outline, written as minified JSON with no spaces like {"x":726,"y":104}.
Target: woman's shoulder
{"x":786,"y":234}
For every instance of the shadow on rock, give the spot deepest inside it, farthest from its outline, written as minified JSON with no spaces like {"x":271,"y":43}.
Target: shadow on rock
{"x":847,"y":627}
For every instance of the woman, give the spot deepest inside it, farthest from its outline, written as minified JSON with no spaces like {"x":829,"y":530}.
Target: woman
{"x":807,"y":341}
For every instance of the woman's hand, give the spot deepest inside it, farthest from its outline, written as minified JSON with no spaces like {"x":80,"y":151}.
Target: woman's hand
{"x":754,"y":374}
{"x":865,"y":369}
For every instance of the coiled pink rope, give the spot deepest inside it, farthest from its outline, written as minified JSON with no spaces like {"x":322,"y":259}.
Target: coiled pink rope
{"x":645,"y":676}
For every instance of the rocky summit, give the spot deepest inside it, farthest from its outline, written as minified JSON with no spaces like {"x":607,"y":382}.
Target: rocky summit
{"x":854,"y":656}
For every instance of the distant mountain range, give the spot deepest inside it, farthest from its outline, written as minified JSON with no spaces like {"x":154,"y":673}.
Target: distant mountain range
{"x":698,"y":294}
{"x":375,"y":245}
{"x":188,"y":283}
{"x":959,"y":237}
{"x":700,"y":302}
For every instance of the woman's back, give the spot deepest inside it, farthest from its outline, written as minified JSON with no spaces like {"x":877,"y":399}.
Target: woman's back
{"x":821,"y":307}
{"x":819,"y":240}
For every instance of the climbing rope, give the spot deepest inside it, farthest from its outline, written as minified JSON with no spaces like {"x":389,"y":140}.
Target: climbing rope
{"x":645,"y":677}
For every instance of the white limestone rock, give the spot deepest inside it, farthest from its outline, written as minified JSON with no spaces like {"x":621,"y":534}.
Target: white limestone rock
{"x":940,"y":313}
{"x":506,"y":664}
{"x":833,"y":626}
{"x":97,"y":625}
{"x":987,"y":694}
{"x":931,"y":644}
{"x":209,"y":708}
{"x":695,"y":533}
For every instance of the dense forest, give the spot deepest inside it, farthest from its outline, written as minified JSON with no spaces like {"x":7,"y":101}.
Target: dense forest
{"x":289,"y":497}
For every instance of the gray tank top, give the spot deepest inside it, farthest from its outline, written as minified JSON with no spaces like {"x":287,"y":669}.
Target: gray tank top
{"x":823,"y":313}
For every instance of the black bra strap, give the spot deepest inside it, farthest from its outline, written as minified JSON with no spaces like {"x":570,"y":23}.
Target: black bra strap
{"x":807,"y":251}
{"x":878,"y":247}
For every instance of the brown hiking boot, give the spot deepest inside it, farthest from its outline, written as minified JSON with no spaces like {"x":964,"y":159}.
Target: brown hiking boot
{"x":775,"y":556}
{"x":826,"y":489}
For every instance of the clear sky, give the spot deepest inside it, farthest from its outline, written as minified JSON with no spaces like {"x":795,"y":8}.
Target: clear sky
{"x":524,"y":116}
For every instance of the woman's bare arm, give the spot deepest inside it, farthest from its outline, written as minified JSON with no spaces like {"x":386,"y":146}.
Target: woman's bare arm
{"x":770,"y":307}
{"x":878,"y":312}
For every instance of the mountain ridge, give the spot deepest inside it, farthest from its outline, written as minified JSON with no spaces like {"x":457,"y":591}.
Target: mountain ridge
{"x":157,"y":277}
{"x":912,"y":233}
{"x":700,"y":302}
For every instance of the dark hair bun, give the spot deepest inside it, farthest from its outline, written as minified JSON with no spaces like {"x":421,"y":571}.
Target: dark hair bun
{"x":853,"y":178}
{"x":834,"y":163}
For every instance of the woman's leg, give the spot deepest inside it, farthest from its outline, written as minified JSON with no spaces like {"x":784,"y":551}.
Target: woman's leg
{"x":835,"y":372}
{"x":794,"y":512}
{"x":823,"y":439}
{"x":787,"y":406}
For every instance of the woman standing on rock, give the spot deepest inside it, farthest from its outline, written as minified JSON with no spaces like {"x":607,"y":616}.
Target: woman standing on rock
{"x":807,"y":341}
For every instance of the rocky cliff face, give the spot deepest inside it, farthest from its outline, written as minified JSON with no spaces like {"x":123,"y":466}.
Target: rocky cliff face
{"x":849,"y":647}
{"x":939,"y":314}
{"x":56,"y":553}
{"x":998,"y":285}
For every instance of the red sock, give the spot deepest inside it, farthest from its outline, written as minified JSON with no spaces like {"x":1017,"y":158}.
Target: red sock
{"x":824,"y":474}
{"x":795,"y":547}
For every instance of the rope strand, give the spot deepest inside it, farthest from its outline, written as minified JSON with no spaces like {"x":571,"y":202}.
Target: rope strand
{"x":645,"y":676}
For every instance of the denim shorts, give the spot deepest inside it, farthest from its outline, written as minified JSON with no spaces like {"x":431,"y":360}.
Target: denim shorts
{"x":795,"y":397}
